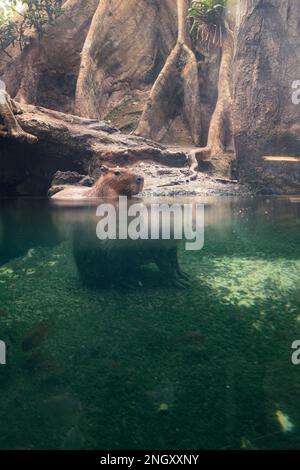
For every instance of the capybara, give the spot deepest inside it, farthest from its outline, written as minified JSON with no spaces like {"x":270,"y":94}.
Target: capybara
{"x":113,"y":182}
{"x":114,"y":263}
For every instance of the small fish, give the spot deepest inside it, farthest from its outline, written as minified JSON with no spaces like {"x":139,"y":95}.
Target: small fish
{"x":284,"y":421}
{"x":36,"y":336}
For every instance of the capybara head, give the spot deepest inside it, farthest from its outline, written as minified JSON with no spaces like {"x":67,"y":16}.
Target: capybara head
{"x":118,"y":182}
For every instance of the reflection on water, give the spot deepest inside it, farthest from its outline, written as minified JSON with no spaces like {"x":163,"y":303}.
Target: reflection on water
{"x":150,"y":365}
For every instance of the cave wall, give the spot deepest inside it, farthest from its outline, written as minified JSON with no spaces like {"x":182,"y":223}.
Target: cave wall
{"x":266,"y":62}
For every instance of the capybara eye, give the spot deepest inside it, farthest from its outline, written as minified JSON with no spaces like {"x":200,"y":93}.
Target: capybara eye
{"x":117,"y":173}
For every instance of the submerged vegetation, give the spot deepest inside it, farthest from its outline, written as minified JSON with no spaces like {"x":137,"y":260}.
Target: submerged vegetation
{"x":18,"y":18}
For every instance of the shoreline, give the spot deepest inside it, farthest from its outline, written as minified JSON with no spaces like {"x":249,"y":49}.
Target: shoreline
{"x":172,"y":182}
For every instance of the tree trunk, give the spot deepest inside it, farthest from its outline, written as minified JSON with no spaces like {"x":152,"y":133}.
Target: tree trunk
{"x":11,"y":127}
{"x":177,"y":84}
{"x":220,"y":132}
{"x":266,"y":121}
{"x":219,"y":151}
{"x":123,"y":53}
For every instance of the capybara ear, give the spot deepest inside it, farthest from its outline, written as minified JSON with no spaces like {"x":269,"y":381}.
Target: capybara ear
{"x":104,"y":170}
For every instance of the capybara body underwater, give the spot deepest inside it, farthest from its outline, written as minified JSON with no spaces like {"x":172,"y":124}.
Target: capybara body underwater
{"x":125,"y":262}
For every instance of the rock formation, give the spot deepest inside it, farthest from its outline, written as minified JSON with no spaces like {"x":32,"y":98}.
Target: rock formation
{"x":137,"y":65}
{"x":266,"y":63}
{"x":67,"y":142}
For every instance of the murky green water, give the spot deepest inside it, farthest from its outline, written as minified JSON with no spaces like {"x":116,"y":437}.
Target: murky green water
{"x":151,"y":366}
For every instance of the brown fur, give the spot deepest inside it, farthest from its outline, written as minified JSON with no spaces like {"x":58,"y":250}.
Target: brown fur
{"x":117,"y":182}
{"x":112,"y":183}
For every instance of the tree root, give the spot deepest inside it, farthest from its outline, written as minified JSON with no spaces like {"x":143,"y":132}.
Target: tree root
{"x":220,"y":135}
{"x":193,"y":164}
{"x":8,"y":109}
{"x":178,"y":79}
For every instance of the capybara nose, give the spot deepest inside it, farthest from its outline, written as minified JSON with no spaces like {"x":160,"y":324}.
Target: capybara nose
{"x":139,"y":180}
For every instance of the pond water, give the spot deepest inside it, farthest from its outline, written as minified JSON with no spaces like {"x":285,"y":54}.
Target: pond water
{"x":150,"y":365}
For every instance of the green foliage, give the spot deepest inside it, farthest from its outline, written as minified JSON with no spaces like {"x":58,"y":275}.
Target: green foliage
{"x":208,"y":17}
{"x":19,"y":18}
{"x":204,"y":9}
